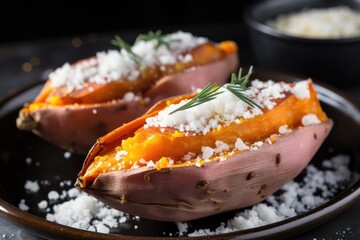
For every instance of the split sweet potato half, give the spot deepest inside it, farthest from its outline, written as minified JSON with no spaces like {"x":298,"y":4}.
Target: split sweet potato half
{"x":75,"y":118}
{"x":148,"y":171}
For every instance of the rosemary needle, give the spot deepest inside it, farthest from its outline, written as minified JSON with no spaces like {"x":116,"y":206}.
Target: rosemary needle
{"x":237,"y":86}
{"x":119,"y":42}
{"x":209,"y":93}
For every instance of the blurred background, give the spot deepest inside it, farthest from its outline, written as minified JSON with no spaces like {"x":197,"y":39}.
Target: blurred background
{"x":26,"y":20}
{"x":38,"y":37}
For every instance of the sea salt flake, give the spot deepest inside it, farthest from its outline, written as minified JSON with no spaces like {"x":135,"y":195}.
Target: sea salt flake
{"x":43,"y":204}
{"x":53,"y":195}
{"x":301,"y":90}
{"x":284,"y":129}
{"x":28,"y":160}
{"x":182,"y":227}
{"x":32,"y":186}
{"x":240,"y":145}
{"x":23,"y":206}
{"x":207,"y":152}
{"x":67,"y":154}
{"x":310,"y":119}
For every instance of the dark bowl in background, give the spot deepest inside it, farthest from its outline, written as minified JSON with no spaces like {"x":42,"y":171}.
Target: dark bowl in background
{"x":335,"y":61}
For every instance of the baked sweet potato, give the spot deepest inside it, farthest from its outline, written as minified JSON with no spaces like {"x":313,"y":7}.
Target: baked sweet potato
{"x":74,"y":117}
{"x":147,"y":169}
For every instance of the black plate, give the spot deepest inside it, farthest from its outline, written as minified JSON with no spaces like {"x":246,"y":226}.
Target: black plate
{"x":48,"y":163}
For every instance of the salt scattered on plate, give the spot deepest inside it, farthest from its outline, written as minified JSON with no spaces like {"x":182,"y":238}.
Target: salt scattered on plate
{"x":23,"y":206}
{"x":67,"y":154}
{"x":32,"y":186}
{"x":296,"y":198}
{"x":79,"y":210}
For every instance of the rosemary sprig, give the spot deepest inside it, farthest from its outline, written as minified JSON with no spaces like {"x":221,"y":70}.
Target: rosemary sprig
{"x":209,"y":93}
{"x":241,"y":80}
{"x":119,"y":42}
{"x":161,"y":39}
{"x":237,"y":86}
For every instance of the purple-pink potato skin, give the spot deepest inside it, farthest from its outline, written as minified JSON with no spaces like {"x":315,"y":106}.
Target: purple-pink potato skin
{"x":187,"y":193}
{"x":78,"y":127}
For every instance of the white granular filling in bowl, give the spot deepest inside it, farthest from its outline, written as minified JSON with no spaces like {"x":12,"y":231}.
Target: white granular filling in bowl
{"x":318,"y":186}
{"x":334,"y":22}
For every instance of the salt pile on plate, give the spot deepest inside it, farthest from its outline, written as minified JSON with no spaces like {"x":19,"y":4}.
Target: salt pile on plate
{"x":84,"y":212}
{"x":79,"y":210}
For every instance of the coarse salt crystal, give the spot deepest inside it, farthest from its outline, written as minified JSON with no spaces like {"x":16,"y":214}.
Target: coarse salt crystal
{"x":240,"y":145}
{"x":310,"y":119}
{"x":53,"y":195}
{"x":45,"y":182}
{"x":129,"y":96}
{"x":301,"y":90}
{"x":284,"y":129}
{"x":43,"y":204}
{"x":183,"y":227}
{"x":28,"y":160}
{"x":65,"y":183}
{"x":221,"y":147}
{"x":23,"y":206}
{"x":101,"y":228}
{"x":32,"y":186}
{"x":185,"y":59}
{"x":150,"y":164}
{"x":207,"y":152}
{"x":74,"y":192}
{"x":67,"y":154}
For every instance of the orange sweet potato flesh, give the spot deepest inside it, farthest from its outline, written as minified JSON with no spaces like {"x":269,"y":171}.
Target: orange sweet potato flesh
{"x":152,"y":144}
{"x":201,"y":55}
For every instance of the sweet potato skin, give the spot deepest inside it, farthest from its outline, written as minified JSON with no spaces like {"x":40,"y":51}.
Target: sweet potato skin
{"x":76,"y":127}
{"x":191,"y":192}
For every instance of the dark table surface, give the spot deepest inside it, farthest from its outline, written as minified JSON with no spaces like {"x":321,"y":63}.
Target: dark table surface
{"x":24,"y":63}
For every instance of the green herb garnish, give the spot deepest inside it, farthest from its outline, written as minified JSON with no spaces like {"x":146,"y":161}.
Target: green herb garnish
{"x":237,"y":86}
{"x":161,"y":39}
{"x":209,"y":93}
{"x":119,"y":42}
